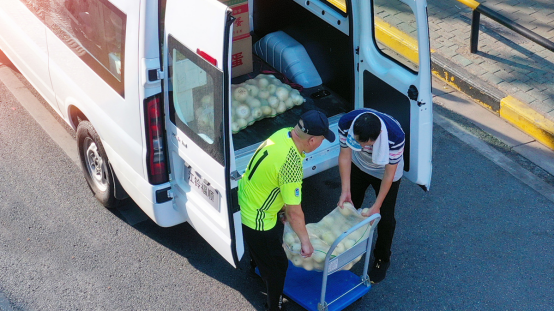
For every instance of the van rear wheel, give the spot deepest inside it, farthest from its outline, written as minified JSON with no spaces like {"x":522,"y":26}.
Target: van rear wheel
{"x":95,"y":165}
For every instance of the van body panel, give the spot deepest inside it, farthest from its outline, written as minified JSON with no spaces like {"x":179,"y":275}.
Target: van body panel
{"x":197,"y":69}
{"x":383,"y":84}
{"x":107,"y":58}
{"x":23,"y":40}
{"x":149,"y":43}
{"x":144,"y":194}
{"x":326,"y":13}
{"x":149,"y":50}
{"x":76,"y":83}
{"x":319,"y":160}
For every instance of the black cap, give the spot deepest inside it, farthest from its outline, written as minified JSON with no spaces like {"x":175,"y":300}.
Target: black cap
{"x":315,"y":123}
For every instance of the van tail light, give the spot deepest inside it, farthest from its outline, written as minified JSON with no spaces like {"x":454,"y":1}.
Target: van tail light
{"x":155,"y":153}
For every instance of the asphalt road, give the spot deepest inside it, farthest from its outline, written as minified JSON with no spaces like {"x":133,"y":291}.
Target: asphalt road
{"x":480,"y":239}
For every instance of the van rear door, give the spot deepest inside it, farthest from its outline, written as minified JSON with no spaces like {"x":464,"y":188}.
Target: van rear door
{"x":197,"y":66}
{"x":393,"y":73}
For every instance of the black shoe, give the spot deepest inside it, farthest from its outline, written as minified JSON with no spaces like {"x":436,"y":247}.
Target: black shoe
{"x":281,"y":305}
{"x":282,"y":308}
{"x":379,"y":271}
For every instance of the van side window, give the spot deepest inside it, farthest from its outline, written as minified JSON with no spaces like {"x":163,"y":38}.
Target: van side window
{"x":395,"y":32}
{"x":338,"y":4}
{"x":92,"y":29}
{"x":195,"y":94}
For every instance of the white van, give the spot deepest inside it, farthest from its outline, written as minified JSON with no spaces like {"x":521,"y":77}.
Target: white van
{"x":127,"y":74}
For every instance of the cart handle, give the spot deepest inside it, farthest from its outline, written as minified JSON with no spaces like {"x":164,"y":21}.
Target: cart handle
{"x":370,"y":219}
{"x":373,"y":220}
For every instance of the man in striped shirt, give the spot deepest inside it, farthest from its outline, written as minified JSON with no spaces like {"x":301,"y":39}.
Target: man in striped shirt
{"x":361,"y":132}
{"x":272,"y":183}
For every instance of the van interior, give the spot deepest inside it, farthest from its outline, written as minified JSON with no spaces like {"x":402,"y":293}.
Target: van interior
{"x":330,"y":51}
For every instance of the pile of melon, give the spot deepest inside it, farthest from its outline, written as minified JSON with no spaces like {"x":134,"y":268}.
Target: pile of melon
{"x":265,"y":96}
{"x":323,"y":234}
{"x":205,"y":115}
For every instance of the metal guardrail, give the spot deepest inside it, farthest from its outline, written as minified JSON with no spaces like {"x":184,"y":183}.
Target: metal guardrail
{"x":479,"y":9}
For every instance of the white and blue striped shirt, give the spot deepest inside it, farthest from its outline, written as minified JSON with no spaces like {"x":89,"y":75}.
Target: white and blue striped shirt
{"x":362,"y":159}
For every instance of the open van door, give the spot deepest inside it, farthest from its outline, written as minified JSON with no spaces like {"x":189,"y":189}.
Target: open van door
{"x":197,"y":40}
{"x":393,"y":73}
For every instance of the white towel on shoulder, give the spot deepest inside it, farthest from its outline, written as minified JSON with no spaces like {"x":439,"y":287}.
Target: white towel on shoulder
{"x":380,"y":154}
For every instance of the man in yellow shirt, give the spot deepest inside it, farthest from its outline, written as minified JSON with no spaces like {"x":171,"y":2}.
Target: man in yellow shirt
{"x":272,"y":183}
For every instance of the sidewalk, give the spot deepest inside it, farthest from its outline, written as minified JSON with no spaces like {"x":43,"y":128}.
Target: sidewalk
{"x":510,"y":75}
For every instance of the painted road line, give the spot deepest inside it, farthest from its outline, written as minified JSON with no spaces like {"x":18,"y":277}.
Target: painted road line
{"x":510,"y":109}
{"x":41,"y":115}
{"x":528,"y":120}
{"x":496,"y":157}
{"x":516,"y":112}
{"x":340,"y":4}
{"x":470,"y":3}
{"x":397,"y":40}
{"x":467,"y":83}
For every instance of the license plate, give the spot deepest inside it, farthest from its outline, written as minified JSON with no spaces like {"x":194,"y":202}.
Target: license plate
{"x":208,"y":192}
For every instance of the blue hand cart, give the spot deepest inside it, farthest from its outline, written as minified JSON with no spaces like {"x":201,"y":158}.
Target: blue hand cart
{"x":309,"y":288}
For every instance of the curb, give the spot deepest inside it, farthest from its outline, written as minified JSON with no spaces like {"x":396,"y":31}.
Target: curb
{"x":504,"y":105}
{"x":527,"y":119}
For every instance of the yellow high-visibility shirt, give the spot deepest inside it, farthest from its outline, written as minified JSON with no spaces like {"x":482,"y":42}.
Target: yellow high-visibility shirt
{"x":272,"y":179}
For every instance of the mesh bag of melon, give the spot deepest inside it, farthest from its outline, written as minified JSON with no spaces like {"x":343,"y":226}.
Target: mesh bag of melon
{"x":323,"y":234}
{"x":264,"y":96}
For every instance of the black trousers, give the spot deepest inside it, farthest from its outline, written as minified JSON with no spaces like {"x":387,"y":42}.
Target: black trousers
{"x":267,"y":252}
{"x":359,"y":182}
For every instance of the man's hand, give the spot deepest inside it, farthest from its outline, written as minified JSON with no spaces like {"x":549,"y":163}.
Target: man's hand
{"x":345,"y":161}
{"x":282,"y":217}
{"x":307,"y":249}
{"x":344,"y":197}
{"x":295,"y":216}
{"x":372,"y":210}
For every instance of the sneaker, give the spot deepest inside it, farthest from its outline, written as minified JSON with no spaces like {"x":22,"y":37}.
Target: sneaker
{"x":379,"y":271}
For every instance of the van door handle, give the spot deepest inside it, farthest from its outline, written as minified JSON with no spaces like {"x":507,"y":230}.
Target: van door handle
{"x":413,"y":93}
{"x":155,"y":75}
{"x":235,"y":176}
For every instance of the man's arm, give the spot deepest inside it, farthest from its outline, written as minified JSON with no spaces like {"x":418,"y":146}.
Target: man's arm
{"x":390,"y":170}
{"x":345,"y":162}
{"x":295,"y":216}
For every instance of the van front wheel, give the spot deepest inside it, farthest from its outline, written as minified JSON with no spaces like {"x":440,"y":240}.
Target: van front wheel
{"x":94,"y":163}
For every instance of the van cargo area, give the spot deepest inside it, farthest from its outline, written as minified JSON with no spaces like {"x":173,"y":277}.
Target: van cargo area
{"x":330,"y":51}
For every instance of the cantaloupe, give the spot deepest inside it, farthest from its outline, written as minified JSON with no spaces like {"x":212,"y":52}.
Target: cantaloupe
{"x":328,"y":237}
{"x":308,"y":265}
{"x":318,"y":256}
{"x":297,"y":260}
{"x":289,"y":238}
